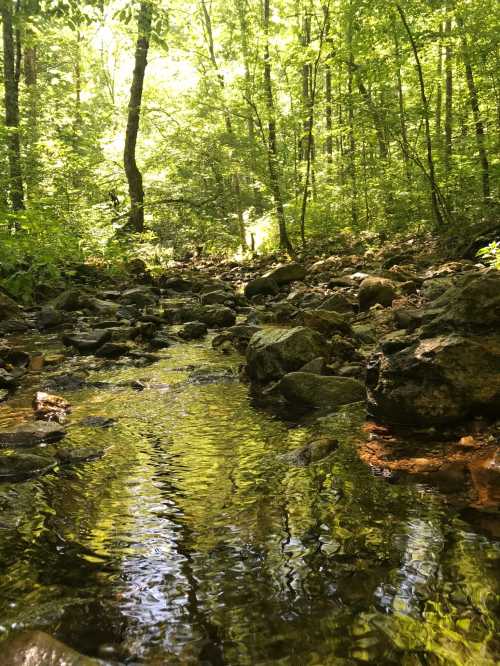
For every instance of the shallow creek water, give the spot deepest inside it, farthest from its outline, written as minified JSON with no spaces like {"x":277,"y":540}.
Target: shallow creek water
{"x":191,"y":541}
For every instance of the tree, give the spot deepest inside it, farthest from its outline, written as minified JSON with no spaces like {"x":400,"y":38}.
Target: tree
{"x":134,"y":176}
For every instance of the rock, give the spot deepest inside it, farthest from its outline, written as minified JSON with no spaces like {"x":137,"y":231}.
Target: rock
{"x":31,"y":434}
{"x":215,"y":298}
{"x":88,"y":341}
{"x":316,"y":366}
{"x":68,"y":455}
{"x":101,"y":307}
{"x":261,"y":286}
{"x":4,"y":394}
{"x":320,"y":391}
{"x":66,"y":382}
{"x":36,"y":648}
{"x":287,"y":273}
{"x":139,"y":296}
{"x":193,"y":330}
{"x":436,"y":381}
{"x":326,"y":322}
{"x":49,"y":317}
{"x":373,"y":290}
{"x":471,"y":305}
{"x":50,"y":407}
{"x":113,"y":350}
{"x":14,"y":358}
{"x":8,"y":380}
{"x":338,"y":303}
{"x":408,"y":318}
{"x":272,"y":353}
{"x":8,"y":307}
{"x":160,"y":341}
{"x":70,"y":300}
{"x":313,"y":451}
{"x":97,"y":422}
{"x":23,"y":466}
{"x":217,"y":316}
{"x":365,"y":333}
{"x":178,"y":284}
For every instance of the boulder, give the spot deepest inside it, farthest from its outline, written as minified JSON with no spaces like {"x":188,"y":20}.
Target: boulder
{"x":49,"y":317}
{"x":273,"y":352}
{"x":338,"y":303}
{"x":178,"y":284}
{"x":87,"y":341}
{"x":215,"y":298}
{"x":113,"y":350}
{"x":193,"y":330}
{"x":101,"y":307}
{"x":139,"y":296}
{"x":68,"y":455}
{"x":70,"y":300}
{"x":315,"y":390}
{"x":313,"y":451}
{"x":326,"y":322}
{"x":264,"y":286}
{"x":31,"y":434}
{"x":23,"y":466}
{"x":36,"y":648}
{"x":8,"y":307}
{"x":217,"y":316}
{"x":287,"y":273}
{"x":435,"y":381}
{"x":376,"y":290}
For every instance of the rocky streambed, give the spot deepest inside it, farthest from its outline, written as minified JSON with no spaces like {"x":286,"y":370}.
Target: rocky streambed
{"x":239,"y":464}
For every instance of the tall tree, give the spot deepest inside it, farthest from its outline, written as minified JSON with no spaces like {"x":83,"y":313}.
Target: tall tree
{"x":134,"y":176}
{"x":11,"y":67}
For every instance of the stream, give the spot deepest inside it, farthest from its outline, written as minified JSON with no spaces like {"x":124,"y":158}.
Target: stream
{"x":194,"y":541}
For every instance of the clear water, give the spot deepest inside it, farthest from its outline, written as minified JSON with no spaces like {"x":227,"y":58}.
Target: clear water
{"x":193,"y":542}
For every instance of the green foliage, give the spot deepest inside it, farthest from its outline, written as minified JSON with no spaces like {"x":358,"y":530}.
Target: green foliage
{"x":491,"y":254}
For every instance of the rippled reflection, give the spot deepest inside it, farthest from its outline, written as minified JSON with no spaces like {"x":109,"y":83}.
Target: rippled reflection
{"x":193,"y":541}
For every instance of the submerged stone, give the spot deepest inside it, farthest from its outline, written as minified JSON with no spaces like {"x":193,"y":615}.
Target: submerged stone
{"x":24,"y":465}
{"x":36,"y":648}
{"x":31,"y":434}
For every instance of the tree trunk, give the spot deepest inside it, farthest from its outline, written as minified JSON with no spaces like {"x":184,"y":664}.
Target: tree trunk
{"x":425,"y":107}
{"x":272,"y":149}
{"x":448,"y":114}
{"x":328,"y":89}
{"x":439,"y":91}
{"x":405,"y":148}
{"x":11,"y":63}
{"x":134,"y":176}
{"x":476,"y":113}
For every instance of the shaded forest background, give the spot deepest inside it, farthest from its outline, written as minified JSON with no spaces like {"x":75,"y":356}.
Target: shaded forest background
{"x":261,"y":125}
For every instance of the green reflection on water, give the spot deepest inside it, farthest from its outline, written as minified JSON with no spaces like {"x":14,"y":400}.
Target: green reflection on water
{"x":193,"y":541}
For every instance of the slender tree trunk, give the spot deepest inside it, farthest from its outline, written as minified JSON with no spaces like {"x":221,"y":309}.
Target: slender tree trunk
{"x":305,"y":40}
{"x":11,"y":63}
{"x":328,"y":89}
{"x":350,"y":120}
{"x":425,"y":107}
{"x":229,"y":126}
{"x":439,"y":91}
{"x":33,"y":167}
{"x":272,"y":149}
{"x":134,"y":176}
{"x":476,"y":113}
{"x":405,"y":149}
{"x":448,"y":114}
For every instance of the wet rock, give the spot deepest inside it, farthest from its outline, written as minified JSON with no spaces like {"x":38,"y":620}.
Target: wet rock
{"x":264,"y":286}
{"x":31,"y":434}
{"x":36,"y":648}
{"x":23,"y":466}
{"x":193,"y":330}
{"x":66,"y":382}
{"x":320,"y":391}
{"x":178,"y":284}
{"x":113,"y":350}
{"x":97,"y":422}
{"x":69,"y":455}
{"x":70,"y":300}
{"x":326,"y":322}
{"x":4,"y":394}
{"x":8,"y":380}
{"x":376,"y":290}
{"x":287,"y":273}
{"x":88,"y":341}
{"x":274,"y":352}
{"x":313,"y":451}
{"x":101,"y":307}
{"x":48,"y":318}
{"x":436,"y":381}
{"x":8,"y":307}
{"x":14,"y":358}
{"x":217,"y":316}
{"x":50,"y":407}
